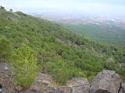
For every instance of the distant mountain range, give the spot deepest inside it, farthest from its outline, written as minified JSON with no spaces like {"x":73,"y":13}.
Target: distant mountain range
{"x":75,"y":19}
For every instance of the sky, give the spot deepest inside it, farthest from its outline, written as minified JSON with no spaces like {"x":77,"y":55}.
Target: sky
{"x":92,"y":7}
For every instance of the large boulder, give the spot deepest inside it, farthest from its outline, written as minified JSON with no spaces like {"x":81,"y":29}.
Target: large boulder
{"x":106,"y":81}
{"x":79,"y":85}
{"x":122,"y":90}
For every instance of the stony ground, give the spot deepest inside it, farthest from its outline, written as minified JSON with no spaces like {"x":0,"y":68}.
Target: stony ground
{"x":105,"y":82}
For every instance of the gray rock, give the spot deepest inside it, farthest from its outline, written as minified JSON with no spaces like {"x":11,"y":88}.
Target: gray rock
{"x":106,"y":81}
{"x":64,"y":90}
{"x":122,"y":90}
{"x":18,"y":88}
{"x":41,"y":85}
{"x":79,"y":85}
{"x":49,"y":90}
{"x":6,"y":78}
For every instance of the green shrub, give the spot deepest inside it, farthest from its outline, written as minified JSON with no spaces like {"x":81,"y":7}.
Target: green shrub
{"x":24,"y":66}
{"x":62,"y":72}
{"x":5,"y":49}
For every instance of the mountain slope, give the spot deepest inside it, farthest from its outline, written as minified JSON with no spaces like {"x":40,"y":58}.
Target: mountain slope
{"x":60,"y":52}
{"x":112,"y":34}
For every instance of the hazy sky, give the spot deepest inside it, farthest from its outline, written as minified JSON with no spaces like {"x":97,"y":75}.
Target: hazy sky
{"x":97,"y":7}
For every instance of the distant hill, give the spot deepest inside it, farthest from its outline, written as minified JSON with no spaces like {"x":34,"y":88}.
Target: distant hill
{"x":108,"y":33}
{"x":108,"y":30}
{"x":60,"y":52}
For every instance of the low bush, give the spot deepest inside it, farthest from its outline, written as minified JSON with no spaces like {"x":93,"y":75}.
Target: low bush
{"x":5,"y":49}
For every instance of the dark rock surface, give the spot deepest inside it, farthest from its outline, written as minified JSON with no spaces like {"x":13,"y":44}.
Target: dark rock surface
{"x":122,"y":90}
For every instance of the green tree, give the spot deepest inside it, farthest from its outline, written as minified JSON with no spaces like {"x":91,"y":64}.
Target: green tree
{"x":24,"y":66}
{"x":1,"y":7}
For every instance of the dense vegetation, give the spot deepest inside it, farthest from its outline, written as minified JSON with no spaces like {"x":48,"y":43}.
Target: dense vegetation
{"x":25,"y":66}
{"x":111,"y":33}
{"x":55,"y":50}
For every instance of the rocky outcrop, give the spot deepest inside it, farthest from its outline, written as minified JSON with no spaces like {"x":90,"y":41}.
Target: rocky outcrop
{"x":44,"y":85}
{"x":122,"y":90}
{"x":106,"y":82}
{"x":79,"y":85}
{"x":58,"y":90}
{"x":6,"y":79}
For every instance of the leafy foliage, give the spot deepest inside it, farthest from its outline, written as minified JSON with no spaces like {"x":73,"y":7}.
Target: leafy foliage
{"x":63,"y":72}
{"x":24,"y":66}
{"x":5,"y":49}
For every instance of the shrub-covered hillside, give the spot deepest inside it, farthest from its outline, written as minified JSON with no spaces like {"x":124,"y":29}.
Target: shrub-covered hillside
{"x":31,"y":45}
{"x":111,"y":33}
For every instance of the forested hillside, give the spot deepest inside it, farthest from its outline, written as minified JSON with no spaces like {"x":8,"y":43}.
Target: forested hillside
{"x":111,"y":33}
{"x":32,"y":45}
